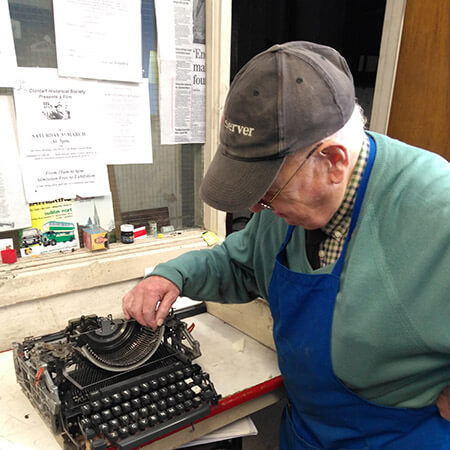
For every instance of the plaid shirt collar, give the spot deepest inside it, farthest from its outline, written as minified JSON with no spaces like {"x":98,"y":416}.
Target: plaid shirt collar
{"x":337,"y":227}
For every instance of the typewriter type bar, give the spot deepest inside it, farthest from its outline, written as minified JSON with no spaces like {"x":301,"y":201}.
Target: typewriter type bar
{"x":102,"y":382}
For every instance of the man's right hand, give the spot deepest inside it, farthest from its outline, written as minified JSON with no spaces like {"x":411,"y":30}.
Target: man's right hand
{"x":150,"y":301}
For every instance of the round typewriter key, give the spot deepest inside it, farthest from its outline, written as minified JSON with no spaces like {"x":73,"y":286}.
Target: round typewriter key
{"x":162,"y":381}
{"x":162,"y":416}
{"x":124,"y":420}
{"x":106,"y":414}
{"x":134,"y":416}
{"x":113,"y":424}
{"x":171,"y":412}
{"x":136,"y":403}
{"x":126,"y":394}
{"x":187,"y":371}
{"x":123,"y":432}
{"x":145,"y":387}
{"x":106,"y":402}
{"x":197,"y":401}
{"x":143,"y":423}
{"x":133,"y":428}
{"x":198,"y":378}
{"x":179,"y":408}
{"x":86,"y":410}
{"x":188,"y":405}
{"x":188,"y":394}
{"x":196,"y":389}
{"x":153,"y":384}
{"x":171,"y":378}
{"x":145,"y":399}
{"x":135,"y":391}
{"x":96,"y":406}
{"x":153,"y":419}
{"x":154,"y":396}
{"x":207,"y":395}
{"x":116,"y":398}
{"x":179,"y":374}
{"x":96,"y":419}
{"x":103,"y":428}
{"x":162,"y":405}
{"x":116,"y":410}
{"x":126,"y":407}
{"x":172,"y":389}
{"x":171,"y":401}
{"x":163,"y":392}
{"x":152,"y":409}
{"x":143,"y":412}
{"x":112,"y":436}
{"x":181,"y":385}
{"x":179,"y":397}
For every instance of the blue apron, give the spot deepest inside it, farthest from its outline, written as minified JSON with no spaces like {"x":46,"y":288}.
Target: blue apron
{"x":322,"y":412}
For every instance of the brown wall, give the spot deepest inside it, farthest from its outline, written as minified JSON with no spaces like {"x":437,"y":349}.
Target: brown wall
{"x":420,"y":106}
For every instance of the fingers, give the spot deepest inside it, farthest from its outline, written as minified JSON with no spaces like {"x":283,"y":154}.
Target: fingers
{"x":443,"y":404}
{"x":150,"y":301}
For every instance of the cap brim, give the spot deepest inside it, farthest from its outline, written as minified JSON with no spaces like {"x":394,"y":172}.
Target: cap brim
{"x":235,"y":185}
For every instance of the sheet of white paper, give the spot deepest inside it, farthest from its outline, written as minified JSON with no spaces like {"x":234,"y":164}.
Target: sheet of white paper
{"x":14,"y":211}
{"x":99,"y":39}
{"x":126,"y":122}
{"x":240,"y":428}
{"x":58,"y":138}
{"x":8,"y":62}
{"x":182,"y":70}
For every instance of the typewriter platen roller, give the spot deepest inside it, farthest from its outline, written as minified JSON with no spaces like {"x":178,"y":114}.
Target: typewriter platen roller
{"x":104,"y":382}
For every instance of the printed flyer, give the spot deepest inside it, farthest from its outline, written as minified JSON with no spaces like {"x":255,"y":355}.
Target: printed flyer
{"x":53,"y":229}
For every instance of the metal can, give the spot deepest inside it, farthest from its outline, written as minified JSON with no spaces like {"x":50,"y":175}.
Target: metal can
{"x":127,"y":233}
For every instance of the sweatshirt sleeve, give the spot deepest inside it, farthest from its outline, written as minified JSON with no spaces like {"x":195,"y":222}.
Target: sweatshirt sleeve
{"x":222,"y":273}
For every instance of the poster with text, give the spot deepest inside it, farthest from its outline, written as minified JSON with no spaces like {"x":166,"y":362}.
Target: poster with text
{"x":53,"y":229}
{"x":182,"y":70}
{"x":59,"y":145}
{"x":99,"y":39}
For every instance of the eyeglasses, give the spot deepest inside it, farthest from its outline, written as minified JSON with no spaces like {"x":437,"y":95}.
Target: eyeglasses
{"x":268,"y":205}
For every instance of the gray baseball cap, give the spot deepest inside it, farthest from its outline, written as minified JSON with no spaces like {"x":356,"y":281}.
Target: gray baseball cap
{"x":283,"y":100}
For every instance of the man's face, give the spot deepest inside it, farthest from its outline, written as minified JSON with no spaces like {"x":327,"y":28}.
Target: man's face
{"x":310,"y":199}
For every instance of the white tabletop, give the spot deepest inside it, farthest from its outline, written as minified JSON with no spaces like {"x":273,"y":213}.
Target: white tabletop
{"x":234,"y":361}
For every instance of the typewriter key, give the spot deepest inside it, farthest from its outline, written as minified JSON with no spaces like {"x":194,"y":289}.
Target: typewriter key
{"x":126,"y":407}
{"x":171,"y":378}
{"x":96,"y":419}
{"x":162,"y":405}
{"x":136,"y":403}
{"x":96,"y":406}
{"x":124,"y":420}
{"x":179,"y":408}
{"x":126,"y":394}
{"x":106,"y":414}
{"x":116,"y":411}
{"x":162,"y":381}
{"x":134,"y":416}
{"x":133,"y":428}
{"x":145,"y":387}
{"x":171,"y":412}
{"x":145,"y":399}
{"x":153,"y":384}
{"x":143,"y":423}
{"x":135,"y":391}
{"x":114,"y":424}
{"x":143,"y":412}
{"x":116,"y":398}
{"x":153,"y":419}
{"x":106,"y":402}
{"x":154,"y":396}
{"x":172,"y":389}
{"x":112,"y":436}
{"x":123,"y":432}
{"x":163,"y":392}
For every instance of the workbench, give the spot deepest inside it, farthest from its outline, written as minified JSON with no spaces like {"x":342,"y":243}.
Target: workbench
{"x":243,"y":371}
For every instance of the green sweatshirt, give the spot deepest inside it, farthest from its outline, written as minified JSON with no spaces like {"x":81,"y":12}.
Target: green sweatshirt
{"x":390,"y":333}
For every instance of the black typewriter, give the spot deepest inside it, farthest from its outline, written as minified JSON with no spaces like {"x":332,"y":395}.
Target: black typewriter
{"x":104,"y":382}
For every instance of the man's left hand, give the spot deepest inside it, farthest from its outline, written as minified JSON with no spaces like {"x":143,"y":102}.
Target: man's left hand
{"x":443,"y":404}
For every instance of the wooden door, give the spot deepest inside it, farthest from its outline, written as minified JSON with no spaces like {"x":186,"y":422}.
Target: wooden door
{"x":420,"y":111}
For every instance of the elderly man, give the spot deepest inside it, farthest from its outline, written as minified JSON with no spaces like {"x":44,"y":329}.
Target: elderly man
{"x":350,"y":248}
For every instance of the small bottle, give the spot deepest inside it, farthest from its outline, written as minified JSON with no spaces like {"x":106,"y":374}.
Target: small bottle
{"x":127,"y":233}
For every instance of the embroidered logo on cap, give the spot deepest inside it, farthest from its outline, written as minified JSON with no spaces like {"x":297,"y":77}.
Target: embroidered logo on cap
{"x":237,"y":128}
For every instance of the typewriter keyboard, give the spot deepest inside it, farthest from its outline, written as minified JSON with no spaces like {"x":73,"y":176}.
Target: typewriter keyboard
{"x":131,"y":413}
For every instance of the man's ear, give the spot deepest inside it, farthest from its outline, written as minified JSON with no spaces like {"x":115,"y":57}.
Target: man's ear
{"x":338,"y":161}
